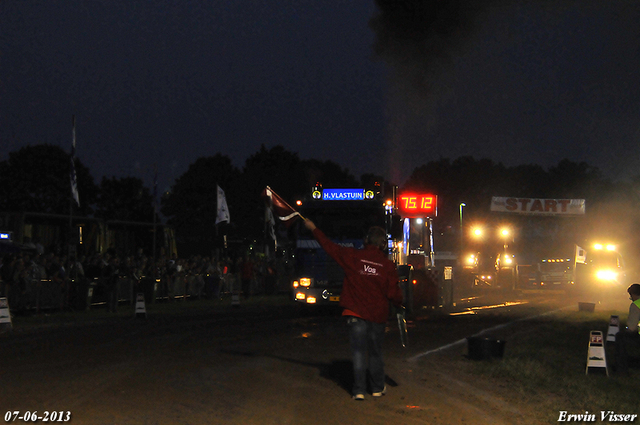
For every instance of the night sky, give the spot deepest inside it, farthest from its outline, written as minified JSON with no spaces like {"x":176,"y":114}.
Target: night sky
{"x":168,"y":81}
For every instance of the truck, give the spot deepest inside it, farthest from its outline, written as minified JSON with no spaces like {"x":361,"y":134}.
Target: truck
{"x":345,"y":215}
{"x":552,"y":272}
{"x":562,"y":270}
{"x":596,"y":268}
{"x":606,"y":265}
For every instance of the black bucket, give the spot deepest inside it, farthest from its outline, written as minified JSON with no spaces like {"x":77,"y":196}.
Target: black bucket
{"x":590,"y":307}
{"x":485,"y":348}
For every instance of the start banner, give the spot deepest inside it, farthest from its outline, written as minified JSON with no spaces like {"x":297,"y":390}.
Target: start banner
{"x":537,"y":206}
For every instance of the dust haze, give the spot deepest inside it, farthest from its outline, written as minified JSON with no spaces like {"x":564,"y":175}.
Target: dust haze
{"x":519,"y":82}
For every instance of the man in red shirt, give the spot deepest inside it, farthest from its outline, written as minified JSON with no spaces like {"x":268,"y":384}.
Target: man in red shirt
{"x":370,"y":282}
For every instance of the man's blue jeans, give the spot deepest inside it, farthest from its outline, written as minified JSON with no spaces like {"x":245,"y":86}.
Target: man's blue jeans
{"x":366,"y":347}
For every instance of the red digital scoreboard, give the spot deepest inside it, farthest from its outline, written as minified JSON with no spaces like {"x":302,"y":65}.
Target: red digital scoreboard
{"x":415,"y":205}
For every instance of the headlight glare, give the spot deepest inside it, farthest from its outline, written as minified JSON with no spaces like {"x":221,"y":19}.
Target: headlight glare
{"x":606,"y":274}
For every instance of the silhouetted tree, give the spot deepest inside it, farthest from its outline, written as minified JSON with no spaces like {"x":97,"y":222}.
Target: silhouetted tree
{"x":276,"y":167}
{"x":124,"y":199}
{"x":36,"y":179}
{"x":529,"y":179}
{"x":191,"y":205}
{"x":328,"y":173}
{"x":575,"y":180}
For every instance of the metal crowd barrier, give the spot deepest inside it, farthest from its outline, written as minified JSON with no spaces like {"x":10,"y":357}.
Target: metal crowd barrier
{"x":85,"y":293}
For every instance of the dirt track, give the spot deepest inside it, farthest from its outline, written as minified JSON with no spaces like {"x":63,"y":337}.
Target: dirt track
{"x":243,"y":366}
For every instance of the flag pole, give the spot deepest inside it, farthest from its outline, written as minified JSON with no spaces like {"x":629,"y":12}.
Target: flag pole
{"x":71,"y":199}
{"x":222,"y":213}
{"x":155,"y":213}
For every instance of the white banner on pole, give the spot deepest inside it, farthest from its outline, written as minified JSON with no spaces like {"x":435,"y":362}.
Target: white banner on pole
{"x":223,"y":209}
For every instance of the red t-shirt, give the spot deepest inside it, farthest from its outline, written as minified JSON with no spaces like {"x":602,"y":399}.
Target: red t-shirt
{"x":370,"y":280}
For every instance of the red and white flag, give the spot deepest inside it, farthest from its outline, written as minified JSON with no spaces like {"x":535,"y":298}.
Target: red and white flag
{"x":281,"y":209}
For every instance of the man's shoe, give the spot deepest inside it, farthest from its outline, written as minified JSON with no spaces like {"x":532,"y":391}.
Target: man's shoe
{"x":358,"y":397}
{"x":381,"y":393}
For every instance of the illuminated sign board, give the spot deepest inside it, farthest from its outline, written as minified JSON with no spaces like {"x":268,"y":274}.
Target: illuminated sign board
{"x":343,"y":194}
{"x":413,"y":205}
{"x":4,"y":236}
{"x":536,"y":206}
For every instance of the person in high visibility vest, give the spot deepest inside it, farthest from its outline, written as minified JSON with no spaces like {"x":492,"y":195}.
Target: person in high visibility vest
{"x":631,"y":335}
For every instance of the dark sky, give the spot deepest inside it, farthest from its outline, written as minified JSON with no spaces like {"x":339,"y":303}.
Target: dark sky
{"x":167,"y":81}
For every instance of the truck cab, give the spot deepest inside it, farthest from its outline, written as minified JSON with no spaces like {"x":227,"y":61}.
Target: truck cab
{"x":606,"y":265}
{"x":344,"y":216}
{"x":552,"y":272}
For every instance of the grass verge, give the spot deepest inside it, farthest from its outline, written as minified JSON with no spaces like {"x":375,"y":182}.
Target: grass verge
{"x":545,"y":362}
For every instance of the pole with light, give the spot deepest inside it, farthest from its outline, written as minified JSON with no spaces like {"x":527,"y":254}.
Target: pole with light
{"x":506,"y":261}
{"x":505,"y":232}
{"x":462,"y":205}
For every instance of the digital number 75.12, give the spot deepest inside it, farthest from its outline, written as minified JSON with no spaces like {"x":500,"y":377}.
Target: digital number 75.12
{"x":424,"y":203}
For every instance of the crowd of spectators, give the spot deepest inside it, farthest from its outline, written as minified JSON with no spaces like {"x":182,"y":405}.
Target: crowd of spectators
{"x":33,"y":280}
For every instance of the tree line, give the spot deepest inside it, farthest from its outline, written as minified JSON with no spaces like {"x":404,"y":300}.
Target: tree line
{"x":36,"y":179}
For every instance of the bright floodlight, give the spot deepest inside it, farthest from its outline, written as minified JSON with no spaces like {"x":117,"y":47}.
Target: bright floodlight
{"x":504,"y":232}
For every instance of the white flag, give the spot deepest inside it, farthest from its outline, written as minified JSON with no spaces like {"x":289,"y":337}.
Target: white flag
{"x":271,"y":223}
{"x":581,"y":255}
{"x":223,"y":210}
{"x":72,"y":171}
